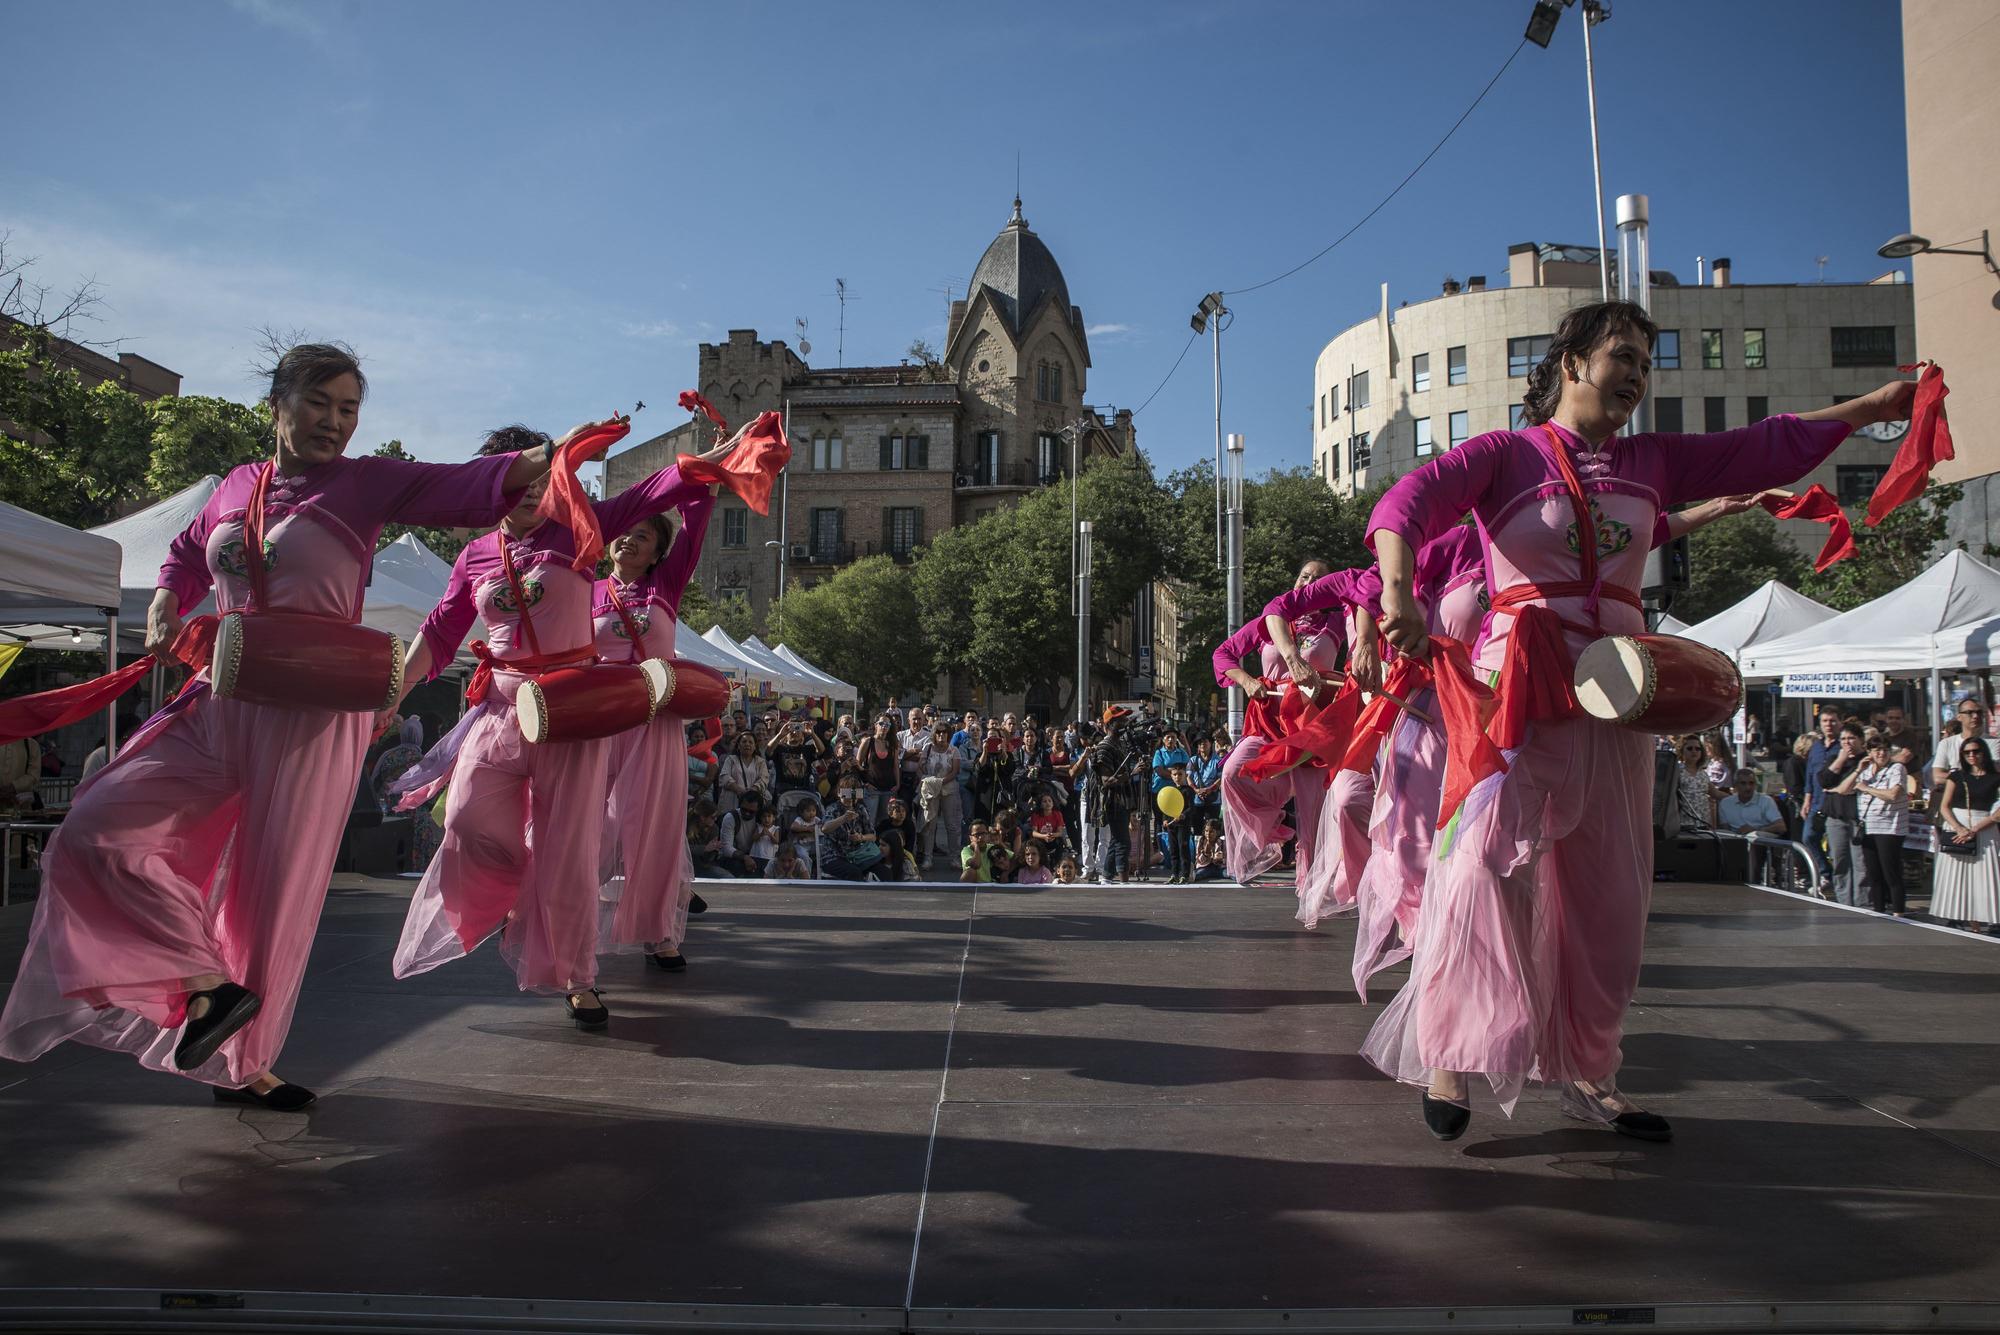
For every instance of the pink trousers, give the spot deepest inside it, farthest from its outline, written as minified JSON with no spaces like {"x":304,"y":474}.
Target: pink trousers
{"x":523,"y":831}
{"x":1338,"y":832}
{"x":1253,"y":814}
{"x":1391,"y":888}
{"x":1533,"y":918}
{"x":204,"y":848}
{"x":646,"y":873}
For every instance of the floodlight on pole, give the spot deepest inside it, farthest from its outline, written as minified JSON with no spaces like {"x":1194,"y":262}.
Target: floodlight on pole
{"x":1083,"y":620}
{"x":1909,"y":243}
{"x":1541,"y":27}
{"x":1233,"y":527}
{"x":1209,"y":315}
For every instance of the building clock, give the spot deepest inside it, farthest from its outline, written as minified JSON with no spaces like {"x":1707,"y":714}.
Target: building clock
{"x":1886,"y":432}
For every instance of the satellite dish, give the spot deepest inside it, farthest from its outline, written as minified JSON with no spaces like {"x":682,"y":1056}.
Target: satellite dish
{"x":805,"y":347}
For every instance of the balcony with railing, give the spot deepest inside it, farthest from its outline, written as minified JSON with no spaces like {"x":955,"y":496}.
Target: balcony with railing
{"x":901,"y":553}
{"x":818,"y":553}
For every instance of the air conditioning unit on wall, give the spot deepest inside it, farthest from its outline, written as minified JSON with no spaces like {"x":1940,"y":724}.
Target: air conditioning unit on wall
{"x":798,"y":551}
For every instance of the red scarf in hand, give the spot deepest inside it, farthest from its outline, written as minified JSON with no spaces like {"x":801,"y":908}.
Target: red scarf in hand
{"x":45,"y":711}
{"x":1817,"y":503}
{"x":1927,"y":445}
{"x":1314,"y":734}
{"x":1535,"y":677}
{"x":695,"y":403}
{"x":761,"y":454}
{"x":1406,"y":677}
{"x":1467,"y":707}
{"x":567,"y":503}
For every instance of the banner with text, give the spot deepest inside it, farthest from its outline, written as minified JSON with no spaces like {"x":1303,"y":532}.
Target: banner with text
{"x":1832,"y":685}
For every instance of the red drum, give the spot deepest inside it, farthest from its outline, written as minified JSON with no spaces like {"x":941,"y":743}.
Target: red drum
{"x":1657,"y":683}
{"x":576,"y":704}
{"x":693,"y":690}
{"x":296,"y":661}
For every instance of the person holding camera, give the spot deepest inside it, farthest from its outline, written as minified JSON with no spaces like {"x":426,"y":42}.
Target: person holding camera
{"x":1107,"y":801}
{"x":849,"y":847}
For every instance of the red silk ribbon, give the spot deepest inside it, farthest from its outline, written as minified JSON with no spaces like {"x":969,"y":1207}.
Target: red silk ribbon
{"x":1926,"y":445}
{"x":1314,"y":734}
{"x":567,"y":502}
{"x":1406,"y":676}
{"x":695,"y":403}
{"x":45,"y":711}
{"x":752,"y":467}
{"x":1467,"y":706}
{"x":1817,"y":504}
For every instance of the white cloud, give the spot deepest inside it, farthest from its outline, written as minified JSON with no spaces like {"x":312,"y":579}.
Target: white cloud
{"x":1106,"y":330}
{"x":285,"y":17}
{"x":651,"y":329}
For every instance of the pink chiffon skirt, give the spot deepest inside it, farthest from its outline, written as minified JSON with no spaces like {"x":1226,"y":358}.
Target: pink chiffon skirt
{"x":1253,"y":814}
{"x":204,"y":848}
{"x":1336,"y":832}
{"x":1533,"y":918}
{"x":523,"y":835}
{"x":1391,"y":889}
{"x":646,"y":873}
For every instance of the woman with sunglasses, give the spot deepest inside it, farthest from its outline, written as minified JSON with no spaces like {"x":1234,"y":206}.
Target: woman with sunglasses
{"x":1966,"y":888}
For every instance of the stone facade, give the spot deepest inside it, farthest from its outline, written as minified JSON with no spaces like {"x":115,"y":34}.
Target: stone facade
{"x":1380,"y":385}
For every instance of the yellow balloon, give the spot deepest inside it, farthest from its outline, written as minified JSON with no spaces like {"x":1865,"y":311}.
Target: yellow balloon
{"x":786,"y":702}
{"x":1171,"y":802}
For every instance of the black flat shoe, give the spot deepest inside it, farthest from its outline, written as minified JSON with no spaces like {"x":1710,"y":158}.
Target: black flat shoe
{"x":1643,"y":1126}
{"x":590,"y":1017}
{"x":697,"y":904}
{"x":281,"y":1098}
{"x":1587,"y":1107}
{"x":229,"y":1008}
{"x":671,"y":963}
{"x":1446,"y":1120}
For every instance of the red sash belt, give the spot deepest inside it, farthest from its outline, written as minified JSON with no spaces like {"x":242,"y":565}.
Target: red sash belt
{"x":533,"y":665}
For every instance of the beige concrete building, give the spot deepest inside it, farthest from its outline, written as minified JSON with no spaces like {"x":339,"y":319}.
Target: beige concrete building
{"x":1951,"y":49}
{"x":1420,"y":377}
{"x":886,"y":457}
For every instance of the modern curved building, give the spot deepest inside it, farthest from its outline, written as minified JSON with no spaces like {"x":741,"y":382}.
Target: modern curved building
{"x":1420,"y":377}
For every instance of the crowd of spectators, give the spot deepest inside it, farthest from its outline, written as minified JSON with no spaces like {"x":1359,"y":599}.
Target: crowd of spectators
{"x":927,"y":794}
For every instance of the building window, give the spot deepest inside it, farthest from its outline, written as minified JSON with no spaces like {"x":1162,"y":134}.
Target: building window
{"x":728,"y":591}
{"x":1333,"y":461}
{"x":1459,"y":425}
{"x":735,"y":527}
{"x":1049,"y":457}
{"x":1525,"y":354}
{"x":1333,"y":404}
{"x":1864,"y":345}
{"x":1853,"y":484}
{"x":1517,"y":417}
{"x":1760,"y":408}
{"x":1753,"y":349}
{"x":1420,"y":373}
{"x":1714,"y":414}
{"x":905,"y":452}
{"x":986,"y":460}
{"x":1667,"y":414}
{"x":1357,"y":391}
{"x":1424,"y":443}
{"x":827,"y":453}
{"x":1667,"y":350}
{"x":1454,"y":366}
{"x":902,"y":529}
{"x":1048,"y":382}
{"x":825,"y":533}
{"x":1711,"y":349}
{"x":1322,"y":412}
{"x":1358,"y":453}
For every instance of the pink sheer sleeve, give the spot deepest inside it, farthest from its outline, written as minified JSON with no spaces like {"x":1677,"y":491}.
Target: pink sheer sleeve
{"x":447,"y":625}
{"x":185,"y":570}
{"x":671,"y":574}
{"x":663,"y":491}
{"x":1343,"y":590}
{"x":1770,"y":453}
{"x":1229,"y":654}
{"x":1425,"y":503}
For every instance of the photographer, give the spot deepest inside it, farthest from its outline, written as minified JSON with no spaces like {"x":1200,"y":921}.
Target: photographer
{"x":1107,"y":768}
{"x":792,"y":752}
{"x":849,"y":848}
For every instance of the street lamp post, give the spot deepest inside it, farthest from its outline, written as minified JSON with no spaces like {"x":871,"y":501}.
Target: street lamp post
{"x":784,"y":496}
{"x":1083,"y":620}
{"x":1233,"y":527}
{"x":1541,"y":27}
{"x":1208,"y":317}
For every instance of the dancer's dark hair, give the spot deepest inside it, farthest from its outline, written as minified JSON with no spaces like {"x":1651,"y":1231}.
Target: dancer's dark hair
{"x":513,"y":439}
{"x":1578,"y":335}
{"x":306,"y":365}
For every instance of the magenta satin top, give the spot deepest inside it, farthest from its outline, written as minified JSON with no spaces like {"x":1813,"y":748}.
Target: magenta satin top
{"x":654,"y":600}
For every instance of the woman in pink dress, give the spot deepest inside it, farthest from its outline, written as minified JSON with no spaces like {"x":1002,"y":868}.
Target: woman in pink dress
{"x":648,"y":878}
{"x":534,"y":881}
{"x":147,"y":939}
{"x":1533,"y":917}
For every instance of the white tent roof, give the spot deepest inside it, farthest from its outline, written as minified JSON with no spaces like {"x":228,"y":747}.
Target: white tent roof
{"x":145,"y":538}
{"x":1770,"y":613}
{"x":784,"y":678}
{"x":1672,"y":625}
{"x":50,"y":572}
{"x":1898,"y":633}
{"x":414,"y":564}
{"x":789,"y":677}
{"x":695,"y":649}
{"x":831,"y":686}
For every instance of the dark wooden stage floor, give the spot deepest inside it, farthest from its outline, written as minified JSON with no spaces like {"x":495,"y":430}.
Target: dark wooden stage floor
{"x":1094,"y":1108}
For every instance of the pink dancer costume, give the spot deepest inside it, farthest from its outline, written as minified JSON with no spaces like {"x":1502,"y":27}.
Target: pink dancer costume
{"x":645,"y":827}
{"x":206,"y":846}
{"x":1534,"y":912}
{"x":523,"y":824}
{"x":1253,"y":811}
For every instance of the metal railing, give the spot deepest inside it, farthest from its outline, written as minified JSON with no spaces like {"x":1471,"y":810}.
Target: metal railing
{"x":7,"y":829}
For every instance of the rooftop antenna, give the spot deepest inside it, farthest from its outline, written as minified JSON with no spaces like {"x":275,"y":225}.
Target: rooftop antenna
{"x":840,"y":345}
{"x":805,"y":346}
{"x":947,"y":287}
{"x":1821,"y":262}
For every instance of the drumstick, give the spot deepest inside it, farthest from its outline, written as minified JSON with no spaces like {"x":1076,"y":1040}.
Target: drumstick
{"x":1400,"y":702}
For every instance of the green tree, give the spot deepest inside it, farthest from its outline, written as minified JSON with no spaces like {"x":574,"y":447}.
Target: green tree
{"x":446,"y":542}
{"x":843,"y":623}
{"x":1889,"y":555}
{"x":83,"y":456}
{"x":733,"y":614}
{"x":1731,"y":559}
{"x":195,"y":435}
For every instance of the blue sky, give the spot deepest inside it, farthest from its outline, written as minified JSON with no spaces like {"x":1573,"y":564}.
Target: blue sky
{"x":535,"y":212}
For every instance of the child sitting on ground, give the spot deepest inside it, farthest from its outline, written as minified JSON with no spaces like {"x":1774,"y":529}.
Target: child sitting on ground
{"x":1208,"y":859}
{"x":1032,"y":871}
{"x":787,"y":865}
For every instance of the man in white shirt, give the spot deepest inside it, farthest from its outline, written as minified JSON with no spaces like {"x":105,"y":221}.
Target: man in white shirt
{"x":1751,"y":814}
{"x":1971,"y":723}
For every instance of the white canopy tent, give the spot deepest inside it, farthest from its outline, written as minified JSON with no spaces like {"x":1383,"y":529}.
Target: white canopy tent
{"x":696,"y":649}
{"x":145,"y":537}
{"x":836,"y":688}
{"x":1898,"y":633}
{"x":772,"y":673}
{"x":52,"y":574}
{"x":1672,"y":625}
{"x":1770,"y":613}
